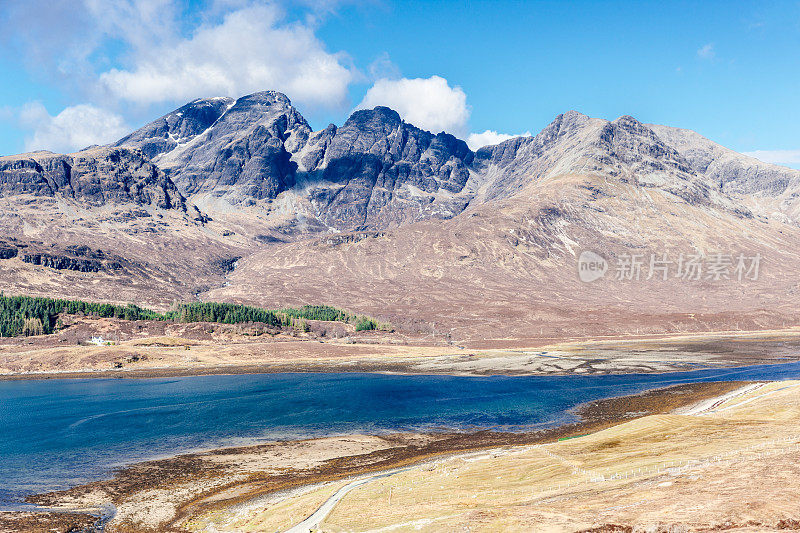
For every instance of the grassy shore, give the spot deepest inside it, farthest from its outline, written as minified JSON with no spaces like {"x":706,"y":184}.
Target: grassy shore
{"x":181,"y":492}
{"x":730,"y":465}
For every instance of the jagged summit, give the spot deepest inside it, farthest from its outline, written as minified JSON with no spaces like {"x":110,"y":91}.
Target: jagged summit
{"x":240,"y":151}
{"x":381,"y":171}
{"x":733,"y":172}
{"x":179,"y":126}
{"x":374,"y":170}
{"x":266,"y":98}
{"x":378,"y":117}
{"x":188,"y":121}
{"x":377,"y":171}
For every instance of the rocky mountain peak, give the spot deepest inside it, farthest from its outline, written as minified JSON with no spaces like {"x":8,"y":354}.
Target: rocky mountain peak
{"x":258,"y":146}
{"x":377,"y":117}
{"x":380,"y":171}
{"x":265,"y":98}
{"x":624,"y":149}
{"x":627,"y":121}
{"x":243,"y":152}
{"x":567,"y":122}
{"x":733,"y":172}
{"x":180,"y":126}
{"x":268,"y":108}
{"x":638,"y":147}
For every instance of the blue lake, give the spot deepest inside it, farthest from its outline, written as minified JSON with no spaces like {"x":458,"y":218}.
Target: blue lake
{"x":59,"y":433}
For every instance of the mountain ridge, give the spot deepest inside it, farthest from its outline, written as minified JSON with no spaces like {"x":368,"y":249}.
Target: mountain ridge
{"x":383,"y":188}
{"x":379,"y":216}
{"x":94,"y":175}
{"x":257,"y":156}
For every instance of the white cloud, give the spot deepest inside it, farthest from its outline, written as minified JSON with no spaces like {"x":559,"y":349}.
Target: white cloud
{"x":490,"y":137}
{"x":168,"y":51}
{"x":706,"y":51}
{"x":788,"y":158}
{"x":73,"y":128}
{"x":139,"y":23}
{"x":428,"y":103}
{"x":383,"y":67}
{"x":250,"y":49}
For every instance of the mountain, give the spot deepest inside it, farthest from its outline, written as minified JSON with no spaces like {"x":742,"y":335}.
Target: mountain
{"x":501,"y":270}
{"x":105,"y":222}
{"x":731,"y":171}
{"x":374,"y":171}
{"x":624,"y":149}
{"x":178,"y":127}
{"x":774,"y":187}
{"x":92,"y":177}
{"x":236,"y":149}
{"x":240,"y":200}
{"x":377,"y":171}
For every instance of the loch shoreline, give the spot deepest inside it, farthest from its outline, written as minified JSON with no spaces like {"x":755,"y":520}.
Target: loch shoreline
{"x":206,"y":469}
{"x":397,"y":368}
{"x":176,"y":356}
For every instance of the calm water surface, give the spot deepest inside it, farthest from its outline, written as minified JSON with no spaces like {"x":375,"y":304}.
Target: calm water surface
{"x":59,"y":433}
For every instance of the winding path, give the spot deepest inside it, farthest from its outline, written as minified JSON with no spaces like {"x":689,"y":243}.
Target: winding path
{"x":704,"y":408}
{"x":325,"y":509}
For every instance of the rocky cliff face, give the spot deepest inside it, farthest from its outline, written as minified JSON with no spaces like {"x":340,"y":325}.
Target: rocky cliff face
{"x":178,"y":127}
{"x":61,"y":262}
{"x":94,"y":177}
{"x":573,"y":144}
{"x":731,"y":171}
{"x":78,"y":258}
{"x":374,"y":171}
{"x":377,"y":171}
{"x":237,"y":149}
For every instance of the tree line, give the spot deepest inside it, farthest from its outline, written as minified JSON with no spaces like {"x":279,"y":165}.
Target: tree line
{"x":27,"y":315}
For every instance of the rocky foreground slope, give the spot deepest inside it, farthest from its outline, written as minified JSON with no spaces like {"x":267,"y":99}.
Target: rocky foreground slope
{"x":382,"y":217}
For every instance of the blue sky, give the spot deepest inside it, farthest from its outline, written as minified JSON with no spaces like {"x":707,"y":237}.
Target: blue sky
{"x":729,"y":70}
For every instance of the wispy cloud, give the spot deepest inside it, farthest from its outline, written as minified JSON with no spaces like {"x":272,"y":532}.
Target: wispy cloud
{"x":707,"y":51}
{"x":7,"y":113}
{"x":490,"y":137}
{"x":789,"y":158}
{"x":73,"y":128}
{"x":382,"y":67}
